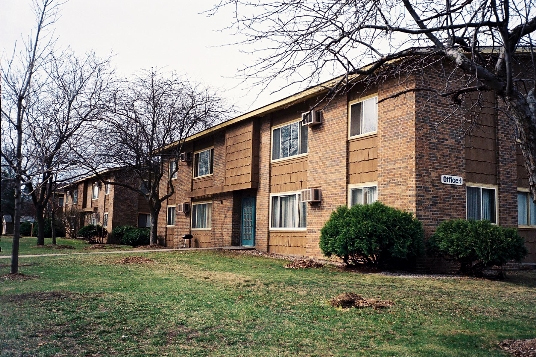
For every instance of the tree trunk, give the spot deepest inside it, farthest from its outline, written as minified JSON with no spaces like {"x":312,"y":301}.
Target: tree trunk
{"x":16,"y":227}
{"x":154,"y":228}
{"x":40,"y":226}
{"x":53,"y":227}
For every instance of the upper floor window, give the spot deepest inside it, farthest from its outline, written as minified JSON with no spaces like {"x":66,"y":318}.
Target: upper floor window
{"x":105,"y":220}
{"x":364,"y":117}
{"x":107,"y":189}
{"x":173,"y":169}
{"x":363,"y":194}
{"x":526,"y":209}
{"x":288,"y":211}
{"x":60,"y":202}
{"x":481,"y":203}
{"x":203,"y":162}
{"x":289,"y":140}
{"x":202,"y":215}
{"x":75,"y":196}
{"x":95,"y":194}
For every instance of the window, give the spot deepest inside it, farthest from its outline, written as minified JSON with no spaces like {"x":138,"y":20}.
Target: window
{"x":144,"y":220}
{"x":364,"y":117}
{"x":526,"y":209}
{"x":173,"y":169}
{"x":363,"y":194}
{"x":202,"y":216}
{"x":289,"y":140}
{"x":144,"y":187}
{"x":203,"y":163}
{"x":95,"y":194}
{"x":75,"y":196}
{"x":105,"y":220}
{"x":288,"y":211}
{"x":171,"y":216}
{"x":481,"y":204}
{"x":107,"y":189}
{"x":94,"y":220}
{"x":60,"y":201}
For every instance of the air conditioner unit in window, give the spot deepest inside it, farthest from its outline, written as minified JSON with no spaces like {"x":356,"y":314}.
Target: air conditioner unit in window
{"x":183,"y":207}
{"x":311,"y":195}
{"x":186,"y":157}
{"x":311,"y":118}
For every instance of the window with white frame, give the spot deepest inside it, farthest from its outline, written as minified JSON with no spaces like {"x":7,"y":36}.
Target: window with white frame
{"x":60,"y":201}
{"x":144,"y":220}
{"x":481,"y":203}
{"x":105,"y":219}
{"x":173,"y":169}
{"x":171,"y":216}
{"x":362,"y":194}
{"x":95,"y":191}
{"x":107,"y":189}
{"x":75,"y":196}
{"x":289,"y":140}
{"x":202,"y":215}
{"x":526,"y":209}
{"x":288,"y":211}
{"x":203,"y":162}
{"x":94,"y":219}
{"x":364,"y":117}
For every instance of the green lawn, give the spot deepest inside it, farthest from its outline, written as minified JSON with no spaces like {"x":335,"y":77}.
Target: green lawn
{"x":28,"y":245}
{"x":206,"y":303}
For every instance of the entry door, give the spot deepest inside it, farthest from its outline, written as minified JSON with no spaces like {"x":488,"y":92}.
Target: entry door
{"x":247,"y":230}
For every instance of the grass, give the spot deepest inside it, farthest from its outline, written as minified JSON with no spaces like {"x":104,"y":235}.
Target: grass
{"x":203,"y":303}
{"x":28,"y":246}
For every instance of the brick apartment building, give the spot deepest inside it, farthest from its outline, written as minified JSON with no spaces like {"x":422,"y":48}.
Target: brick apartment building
{"x":90,"y":201}
{"x":265,"y":180}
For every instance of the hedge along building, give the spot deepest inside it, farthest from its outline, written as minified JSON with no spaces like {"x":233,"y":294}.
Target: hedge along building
{"x":100,"y":200}
{"x":271,"y":178}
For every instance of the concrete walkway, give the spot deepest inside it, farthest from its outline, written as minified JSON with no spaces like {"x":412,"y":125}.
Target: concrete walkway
{"x":126,"y":252}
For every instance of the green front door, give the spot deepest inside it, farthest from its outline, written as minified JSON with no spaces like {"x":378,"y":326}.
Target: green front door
{"x":247,"y":227}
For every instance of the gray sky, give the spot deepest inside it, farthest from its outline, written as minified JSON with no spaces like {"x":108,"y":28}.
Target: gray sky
{"x":170,"y":34}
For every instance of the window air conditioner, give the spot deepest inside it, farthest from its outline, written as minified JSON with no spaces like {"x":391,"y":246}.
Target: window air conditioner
{"x":311,"y":118}
{"x":311,"y":195}
{"x":183,"y":207}
{"x":185,"y":156}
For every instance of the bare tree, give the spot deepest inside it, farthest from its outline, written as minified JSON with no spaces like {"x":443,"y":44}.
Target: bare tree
{"x":73,"y":96}
{"x":486,"y":40}
{"x":17,"y":96}
{"x":148,"y":114}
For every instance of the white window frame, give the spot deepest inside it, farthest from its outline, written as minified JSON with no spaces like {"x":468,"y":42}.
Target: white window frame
{"x":364,"y":185}
{"x":354,"y":102}
{"x":487,"y":187}
{"x":105,"y":219}
{"x":95,"y":191}
{"x":207,"y":224}
{"x":297,"y":210}
{"x":173,"y":169}
{"x":302,"y":151}
{"x":196,"y":162}
{"x":106,"y":188}
{"x":74,"y":196}
{"x":171,"y":213}
{"x":530,"y":206}
{"x":61,"y":201}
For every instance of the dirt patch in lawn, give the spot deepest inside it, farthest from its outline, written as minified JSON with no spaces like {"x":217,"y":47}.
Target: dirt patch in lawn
{"x":348,"y":300}
{"x":103,"y":246}
{"x":39,"y":296}
{"x":304,"y":264}
{"x":17,"y":277}
{"x":519,"y":348}
{"x":54,"y":246}
{"x":135,"y":260}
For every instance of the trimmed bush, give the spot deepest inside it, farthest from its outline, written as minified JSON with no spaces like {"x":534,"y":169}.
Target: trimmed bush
{"x":92,"y":233}
{"x":26,"y":229}
{"x":129,"y":235}
{"x":476,"y":245}
{"x":373,"y":234}
{"x":60,"y":228}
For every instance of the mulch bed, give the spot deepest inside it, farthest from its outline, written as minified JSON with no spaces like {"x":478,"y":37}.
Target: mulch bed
{"x":17,"y":277}
{"x":519,"y":348}
{"x":303,"y":264}
{"x":349,"y":300}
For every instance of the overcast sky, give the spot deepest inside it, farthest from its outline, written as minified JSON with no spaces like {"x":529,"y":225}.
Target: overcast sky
{"x":170,"y":34}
